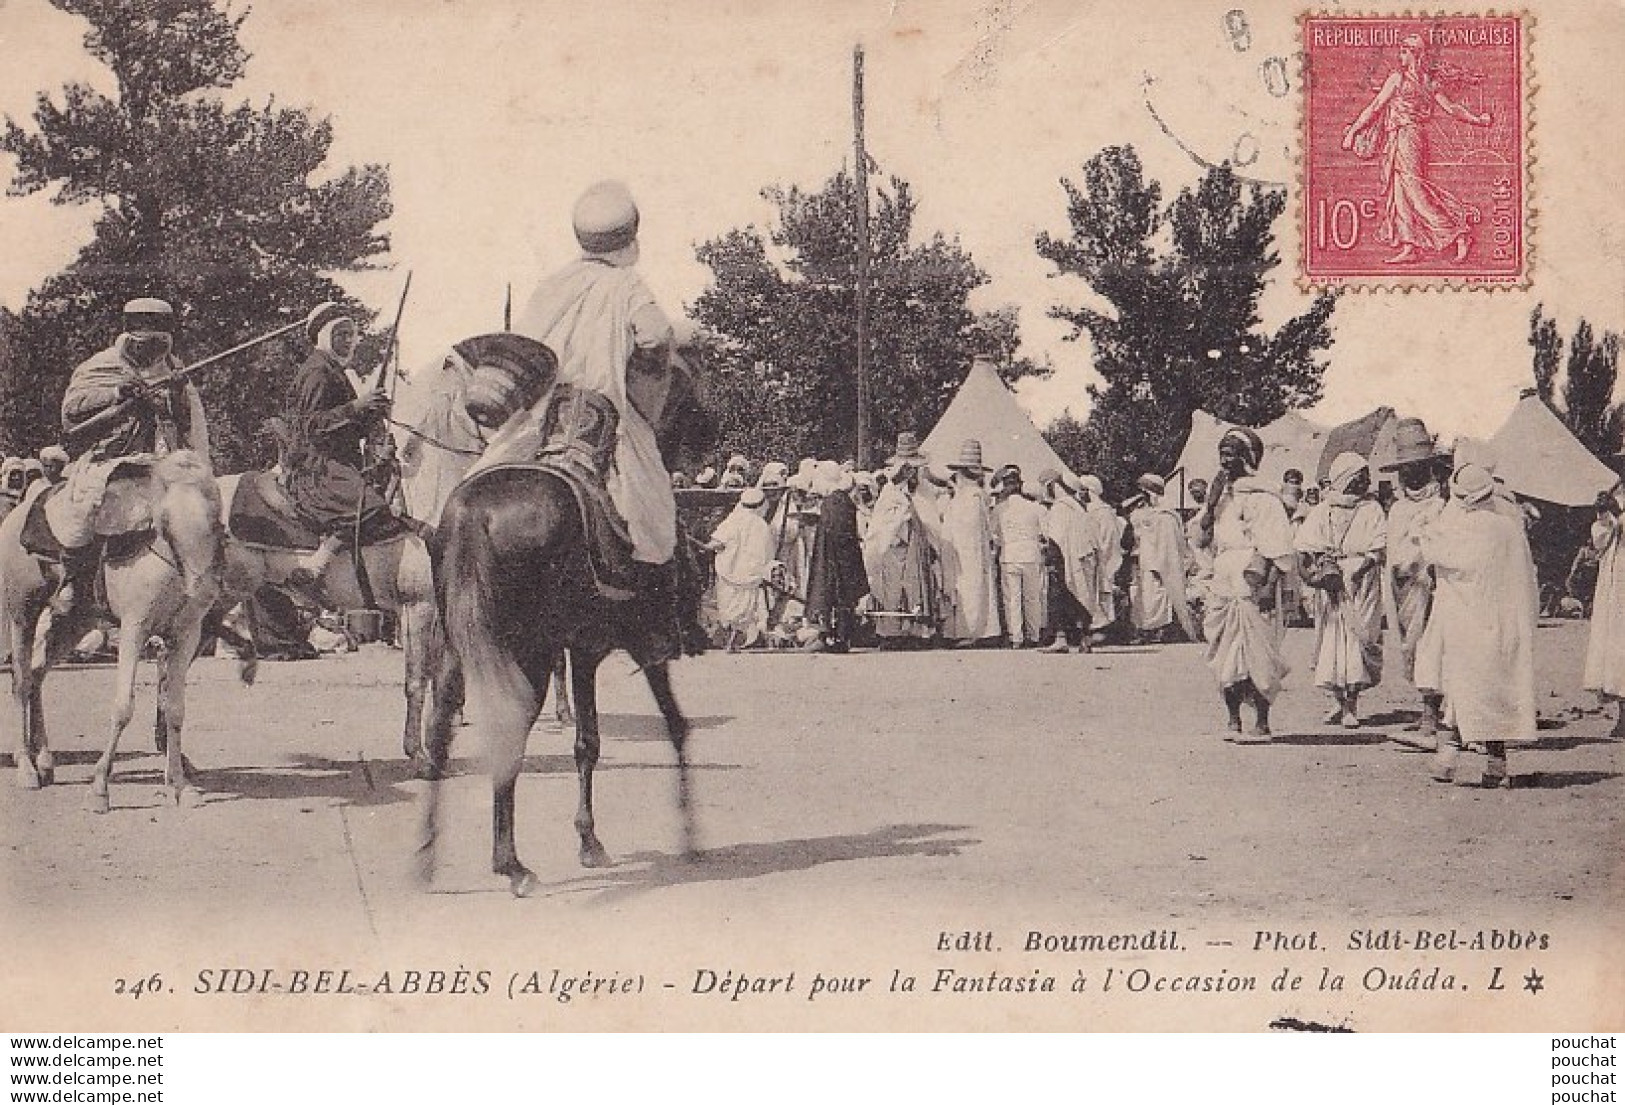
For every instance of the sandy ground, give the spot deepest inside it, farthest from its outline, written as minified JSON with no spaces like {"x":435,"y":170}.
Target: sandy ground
{"x":858,"y":813}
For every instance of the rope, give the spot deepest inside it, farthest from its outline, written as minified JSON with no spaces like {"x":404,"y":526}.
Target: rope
{"x":438,"y":444}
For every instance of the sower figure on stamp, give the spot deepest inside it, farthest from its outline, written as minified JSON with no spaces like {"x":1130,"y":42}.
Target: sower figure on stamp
{"x":164,"y":415}
{"x":1416,"y":212}
{"x":328,"y":434}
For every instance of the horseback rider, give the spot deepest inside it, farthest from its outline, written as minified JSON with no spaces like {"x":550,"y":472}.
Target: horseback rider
{"x":329,"y":424}
{"x":610,"y":336}
{"x":164,"y":414}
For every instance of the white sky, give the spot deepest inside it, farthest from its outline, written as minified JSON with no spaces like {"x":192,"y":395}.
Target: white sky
{"x":493,"y":114}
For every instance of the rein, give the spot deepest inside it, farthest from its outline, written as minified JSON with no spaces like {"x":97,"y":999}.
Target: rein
{"x":437,"y":443}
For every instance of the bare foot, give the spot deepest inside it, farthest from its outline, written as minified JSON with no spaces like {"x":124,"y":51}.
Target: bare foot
{"x":1407,"y":252}
{"x":1463,"y":244}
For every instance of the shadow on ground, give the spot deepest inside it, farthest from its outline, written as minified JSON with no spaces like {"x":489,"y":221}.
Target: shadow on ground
{"x":645,"y":871}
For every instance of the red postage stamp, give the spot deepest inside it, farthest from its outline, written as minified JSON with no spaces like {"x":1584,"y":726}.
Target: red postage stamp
{"x":1415,"y":150}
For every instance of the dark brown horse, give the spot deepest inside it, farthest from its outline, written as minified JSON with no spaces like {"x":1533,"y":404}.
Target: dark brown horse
{"x":514,"y":592}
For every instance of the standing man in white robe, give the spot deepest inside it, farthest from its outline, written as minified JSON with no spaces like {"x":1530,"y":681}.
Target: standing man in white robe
{"x":1246,"y":528}
{"x":1342,"y":544}
{"x":743,"y":542}
{"x":1069,"y":528}
{"x":1162,"y":560}
{"x":968,"y":563}
{"x":1478,"y":648}
{"x":1605,"y":652}
{"x":1108,"y":527}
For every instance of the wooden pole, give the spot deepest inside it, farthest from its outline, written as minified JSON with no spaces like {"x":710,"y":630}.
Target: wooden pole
{"x":861,"y":174}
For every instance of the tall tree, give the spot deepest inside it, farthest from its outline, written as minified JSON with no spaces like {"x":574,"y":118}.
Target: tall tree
{"x":229,"y":212}
{"x":1585,"y":401}
{"x":779,"y":324}
{"x":1182,"y":281}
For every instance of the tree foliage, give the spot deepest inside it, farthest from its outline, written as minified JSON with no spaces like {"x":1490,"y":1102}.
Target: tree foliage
{"x":230,"y":212}
{"x":1181,"y":329}
{"x":779,"y":331}
{"x":1591,"y":370}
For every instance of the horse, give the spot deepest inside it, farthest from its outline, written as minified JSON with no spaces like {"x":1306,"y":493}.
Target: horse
{"x":515,"y":592}
{"x":164,"y":589}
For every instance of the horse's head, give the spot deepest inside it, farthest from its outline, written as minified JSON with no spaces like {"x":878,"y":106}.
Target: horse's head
{"x":686,"y":427}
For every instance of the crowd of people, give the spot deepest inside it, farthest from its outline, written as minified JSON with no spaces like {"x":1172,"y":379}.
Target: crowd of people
{"x":959,"y":555}
{"x":963,"y":555}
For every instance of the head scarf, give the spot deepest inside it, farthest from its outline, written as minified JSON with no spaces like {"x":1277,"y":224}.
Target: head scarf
{"x":1472,"y":484}
{"x":1252,"y":445}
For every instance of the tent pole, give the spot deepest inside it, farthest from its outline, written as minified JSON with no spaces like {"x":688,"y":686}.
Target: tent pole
{"x":861,"y":175}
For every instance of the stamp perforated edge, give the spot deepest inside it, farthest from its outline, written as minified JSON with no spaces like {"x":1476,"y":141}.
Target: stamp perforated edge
{"x":1377,"y":285}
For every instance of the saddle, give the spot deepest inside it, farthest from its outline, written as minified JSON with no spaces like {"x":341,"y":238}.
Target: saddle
{"x":127,"y":524}
{"x":261,"y":512}
{"x":578,"y":434}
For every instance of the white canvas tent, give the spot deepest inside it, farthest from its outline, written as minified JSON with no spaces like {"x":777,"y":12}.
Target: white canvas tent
{"x":1291,"y":441}
{"x":1539,"y":458}
{"x":985,"y":409}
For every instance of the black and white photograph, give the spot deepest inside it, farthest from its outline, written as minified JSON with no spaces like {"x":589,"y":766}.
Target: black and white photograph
{"x":864,"y":516}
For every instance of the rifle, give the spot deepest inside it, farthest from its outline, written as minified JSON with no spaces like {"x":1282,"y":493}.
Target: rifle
{"x":118,"y":412}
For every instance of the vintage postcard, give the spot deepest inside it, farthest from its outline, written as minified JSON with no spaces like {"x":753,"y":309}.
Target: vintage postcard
{"x":979,"y":382}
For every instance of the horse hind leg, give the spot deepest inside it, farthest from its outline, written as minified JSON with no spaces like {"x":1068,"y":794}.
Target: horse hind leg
{"x":505,"y":705}
{"x":561,"y":693}
{"x":584,"y":682}
{"x":61,"y":634}
{"x":677,"y":729}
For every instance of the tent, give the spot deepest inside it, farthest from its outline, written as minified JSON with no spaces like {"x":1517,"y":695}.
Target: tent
{"x":1291,"y":441}
{"x":1539,"y":458}
{"x":986,"y":410}
{"x":1372,"y":437}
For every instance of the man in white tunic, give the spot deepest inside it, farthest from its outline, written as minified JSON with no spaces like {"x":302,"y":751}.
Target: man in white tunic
{"x":743,"y":543}
{"x":1069,"y":528}
{"x":1478,"y":648}
{"x":1162,"y":561}
{"x":1605,"y":653}
{"x":1108,"y":527}
{"x":1246,"y":528}
{"x":1342,"y":544}
{"x":968,"y":565}
{"x":1019,"y":522}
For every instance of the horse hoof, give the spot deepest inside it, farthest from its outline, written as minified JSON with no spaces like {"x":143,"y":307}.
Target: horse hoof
{"x":427,"y":770}
{"x":594,"y":856}
{"x":523,"y":884}
{"x":27,"y":777}
{"x":188,"y":797}
{"x":99,"y":803}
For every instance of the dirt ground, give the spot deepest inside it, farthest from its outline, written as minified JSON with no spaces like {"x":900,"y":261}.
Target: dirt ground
{"x":859,"y":815}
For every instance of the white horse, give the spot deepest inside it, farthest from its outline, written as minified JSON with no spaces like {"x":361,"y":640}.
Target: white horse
{"x":165,"y":590}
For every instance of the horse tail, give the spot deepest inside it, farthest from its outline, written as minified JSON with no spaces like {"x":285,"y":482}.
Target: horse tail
{"x":187,"y":516}
{"x":470,"y":600}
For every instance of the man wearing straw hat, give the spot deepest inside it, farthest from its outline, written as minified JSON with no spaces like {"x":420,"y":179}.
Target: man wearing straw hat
{"x":1342,"y":543}
{"x":1417,"y":466}
{"x":968,"y":567}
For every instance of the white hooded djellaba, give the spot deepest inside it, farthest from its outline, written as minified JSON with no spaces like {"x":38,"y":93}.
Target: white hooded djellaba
{"x":1478,"y":648}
